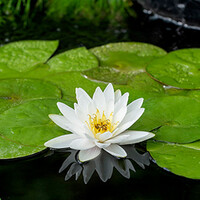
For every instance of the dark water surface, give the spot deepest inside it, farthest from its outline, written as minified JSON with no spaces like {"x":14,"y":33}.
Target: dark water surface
{"x":38,"y":178}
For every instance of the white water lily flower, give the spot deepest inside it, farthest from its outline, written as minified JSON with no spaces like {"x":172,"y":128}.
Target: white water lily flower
{"x":99,"y":123}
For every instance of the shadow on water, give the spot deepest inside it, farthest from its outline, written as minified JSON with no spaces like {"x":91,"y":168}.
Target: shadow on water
{"x":38,"y":177}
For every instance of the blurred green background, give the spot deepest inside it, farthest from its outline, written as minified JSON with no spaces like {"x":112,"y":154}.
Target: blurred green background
{"x":74,"y":22}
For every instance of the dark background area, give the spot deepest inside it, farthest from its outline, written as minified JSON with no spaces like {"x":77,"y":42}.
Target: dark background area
{"x":118,"y":22}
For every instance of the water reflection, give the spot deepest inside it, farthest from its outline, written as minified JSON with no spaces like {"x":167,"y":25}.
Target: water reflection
{"x":38,"y":178}
{"x":103,"y":164}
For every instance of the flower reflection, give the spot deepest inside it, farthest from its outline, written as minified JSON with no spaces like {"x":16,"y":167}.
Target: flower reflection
{"x":104,"y":164}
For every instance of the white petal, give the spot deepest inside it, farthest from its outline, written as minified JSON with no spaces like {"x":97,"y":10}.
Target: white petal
{"x":109,"y":98}
{"x":89,"y":154}
{"x":109,"y":108}
{"x":99,"y":100}
{"x":117,"y":139}
{"x":65,"y":124}
{"x":135,"y":137}
{"x":133,"y":116}
{"x":83,"y":116}
{"x":102,"y":145}
{"x":91,"y":109}
{"x":83,"y":99}
{"x":128,"y":121}
{"x":119,"y":116}
{"x":88,"y":134}
{"x":118,"y":94}
{"x":60,"y":121}
{"x":62,"y":141}
{"x":116,"y":150}
{"x":135,"y":105}
{"x":81,"y":144}
{"x":122,"y":102}
{"x":104,"y":136}
{"x":69,"y":113}
{"x":109,"y":92}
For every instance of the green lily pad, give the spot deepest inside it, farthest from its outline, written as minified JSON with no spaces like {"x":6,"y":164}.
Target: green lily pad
{"x":27,"y":127}
{"x":108,"y":75}
{"x":179,"y":68}
{"x":12,"y":149}
{"x":66,"y":81}
{"x":29,"y":92}
{"x":142,"y":84}
{"x":22,"y":56}
{"x":14,"y":94}
{"x":182,"y":92}
{"x":146,"y":87}
{"x":16,"y":91}
{"x":69,"y":81}
{"x":181,"y":159}
{"x":176,"y":118}
{"x":73,"y":60}
{"x":127,"y":56}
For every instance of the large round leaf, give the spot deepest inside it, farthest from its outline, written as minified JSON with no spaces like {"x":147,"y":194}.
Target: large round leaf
{"x":66,"y":81}
{"x":175,"y":118}
{"x":108,"y":75}
{"x":181,"y":159}
{"x":16,"y":91}
{"x":142,"y":84}
{"x":127,"y":56}
{"x":22,"y":56}
{"x":69,"y":81}
{"x":179,"y":68}
{"x":25,"y":128}
{"x":73,"y":60}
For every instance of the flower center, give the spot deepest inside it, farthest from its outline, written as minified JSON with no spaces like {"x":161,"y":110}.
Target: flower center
{"x":100,"y":124}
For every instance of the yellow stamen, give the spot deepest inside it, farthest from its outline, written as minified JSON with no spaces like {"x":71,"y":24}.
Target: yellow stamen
{"x":100,"y":124}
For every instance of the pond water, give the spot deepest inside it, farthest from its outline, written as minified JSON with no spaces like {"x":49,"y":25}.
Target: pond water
{"x":37,"y":177}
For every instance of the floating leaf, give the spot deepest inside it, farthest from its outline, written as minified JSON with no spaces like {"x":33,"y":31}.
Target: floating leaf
{"x":69,"y":81}
{"x":109,"y":75}
{"x":179,"y":68}
{"x":25,"y":104}
{"x":181,"y":159}
{"x":146,"y":87}
{"x":22,"y":56}
{"x":25,"y":128}
{"x":177,"y":119}
{"x":73,"y":60}
{"x":142,"y":85}
{"x":16,"y":91}
{"x":127,"y":56}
